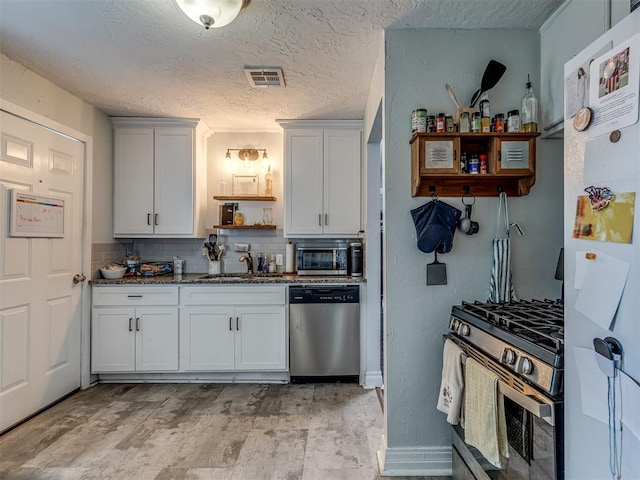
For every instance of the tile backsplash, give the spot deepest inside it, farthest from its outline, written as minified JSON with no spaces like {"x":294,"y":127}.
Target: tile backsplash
{"x":190,"y":250}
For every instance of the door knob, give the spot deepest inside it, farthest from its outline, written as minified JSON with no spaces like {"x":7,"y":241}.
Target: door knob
{"x":79,"y":278}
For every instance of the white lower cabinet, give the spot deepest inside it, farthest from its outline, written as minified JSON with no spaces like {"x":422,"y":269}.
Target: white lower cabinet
{"x":231,"y":328}
{"x":128,"y":334}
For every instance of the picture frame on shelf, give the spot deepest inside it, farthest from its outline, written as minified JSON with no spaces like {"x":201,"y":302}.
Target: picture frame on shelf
{"x":245,"y":185}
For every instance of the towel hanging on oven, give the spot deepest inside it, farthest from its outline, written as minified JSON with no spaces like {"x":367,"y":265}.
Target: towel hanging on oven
{"x":501,"y":289}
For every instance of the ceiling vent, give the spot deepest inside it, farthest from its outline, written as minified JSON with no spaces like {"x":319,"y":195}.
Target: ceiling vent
{"x":265,"y":76}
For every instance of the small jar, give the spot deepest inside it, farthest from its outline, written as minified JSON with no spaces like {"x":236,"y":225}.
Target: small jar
{"x":448,"y":123}
{"x":474,"y":164}
{"x":431,"y":123}
{"x":484,"y":169}
{"x":484,"y":108}
{"x":513,"y":121}
{"x":419,"y":120}
{"x":440,"y":123}
{"x":475,"y":122}
{"x":465,"y":123}
{"x":485,"y":124}
{"x":498,"y":123}
{"x":463,"y":162}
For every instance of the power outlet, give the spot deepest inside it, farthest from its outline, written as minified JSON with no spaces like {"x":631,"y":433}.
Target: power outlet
{"x":279,"y":259}
{"x":240,"y":247}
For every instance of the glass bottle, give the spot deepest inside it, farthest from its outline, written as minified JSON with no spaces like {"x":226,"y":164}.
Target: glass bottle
{"x":529,"y":110}
{"x":268,"y":183}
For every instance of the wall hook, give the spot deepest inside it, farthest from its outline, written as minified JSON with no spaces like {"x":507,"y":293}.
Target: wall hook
{"x":434,"y":194}
{"x":500,"y":189}
{"x":466,"y":189}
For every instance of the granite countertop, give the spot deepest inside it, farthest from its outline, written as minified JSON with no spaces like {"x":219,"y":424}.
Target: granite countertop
{"x":227,"y":278}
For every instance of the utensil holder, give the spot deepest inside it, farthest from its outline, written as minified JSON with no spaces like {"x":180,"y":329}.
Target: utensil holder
{"x":214,"y":267}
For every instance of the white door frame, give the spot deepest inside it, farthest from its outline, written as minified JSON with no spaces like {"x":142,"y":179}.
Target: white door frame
{"x":85,"y":297}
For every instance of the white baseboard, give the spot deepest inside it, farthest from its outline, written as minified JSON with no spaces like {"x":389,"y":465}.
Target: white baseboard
{"x":414,"y":461}
{"x":372,"y":379}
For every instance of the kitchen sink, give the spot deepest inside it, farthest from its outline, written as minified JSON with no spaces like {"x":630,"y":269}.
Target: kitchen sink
{"x":238,"y":276}
{"x":224,"y":276}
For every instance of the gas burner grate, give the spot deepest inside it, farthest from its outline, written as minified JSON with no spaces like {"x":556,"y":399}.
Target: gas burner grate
{"x":537,"y":321}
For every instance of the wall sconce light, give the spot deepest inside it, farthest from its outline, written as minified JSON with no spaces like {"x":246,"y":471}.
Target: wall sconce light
{"x":212,"y":13}
{"x":247,"y":155}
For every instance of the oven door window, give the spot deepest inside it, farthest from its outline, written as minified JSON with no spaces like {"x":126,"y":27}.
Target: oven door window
{"x":317,"y":260}
{"x":532,"y":449}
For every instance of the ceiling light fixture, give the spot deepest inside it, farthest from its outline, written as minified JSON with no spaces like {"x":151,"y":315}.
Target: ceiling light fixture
{"x":248,"y":155}
{"x":212,"y":13}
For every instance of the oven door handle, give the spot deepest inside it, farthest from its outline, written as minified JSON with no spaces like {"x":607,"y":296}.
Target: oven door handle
{"x":539,"y":409}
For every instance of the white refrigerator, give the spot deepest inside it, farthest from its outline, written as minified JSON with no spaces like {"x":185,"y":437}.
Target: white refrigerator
{"x":602,"y":257}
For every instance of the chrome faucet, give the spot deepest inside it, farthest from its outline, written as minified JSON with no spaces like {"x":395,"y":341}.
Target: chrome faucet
{"x":247,"y":258}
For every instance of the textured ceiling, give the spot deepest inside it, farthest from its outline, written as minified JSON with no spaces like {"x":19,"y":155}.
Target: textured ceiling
{"x":145,"y":57}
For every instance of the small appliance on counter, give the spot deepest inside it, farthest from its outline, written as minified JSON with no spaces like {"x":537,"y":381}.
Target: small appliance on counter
{"x":356,"y":259}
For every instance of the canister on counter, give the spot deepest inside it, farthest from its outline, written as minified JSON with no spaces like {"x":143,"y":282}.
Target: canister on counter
{"x":499,"y":123}
{"x":448,"y":123}
{"x":465,"y":123}
{"x":475,"y":122}
{"x":419,"y":120}
{"x":440,"y":123}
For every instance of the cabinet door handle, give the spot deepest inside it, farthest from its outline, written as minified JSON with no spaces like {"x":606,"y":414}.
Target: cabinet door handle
{"x":155,"y":219}
{"x":319,"y":219}
{"x":131,"y":324}
{"x":230,"y":328}
{"x":134,"y":296}
{"x":148,"y":219}
{"x":326,"y":219}
{"x":237,"y":323}
{"x":137,"y":324}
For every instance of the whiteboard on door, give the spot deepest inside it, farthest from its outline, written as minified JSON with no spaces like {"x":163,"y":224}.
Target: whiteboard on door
{"x":34,"y":215}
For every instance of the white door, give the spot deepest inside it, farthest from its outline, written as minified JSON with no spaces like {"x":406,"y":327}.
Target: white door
{"x":206,"y":338}
{"x":303,"y":210}
{"x":113,"y":346}
{"x":40,"y":306}
{"x":174,"y":181}
{"x":341,"y":182}
{"x":261,"y":338}
{"x":133,"y":181}
{"x":156,"y":338}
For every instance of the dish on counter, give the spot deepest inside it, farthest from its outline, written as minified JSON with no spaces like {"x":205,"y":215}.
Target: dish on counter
{"x":113,"y":271}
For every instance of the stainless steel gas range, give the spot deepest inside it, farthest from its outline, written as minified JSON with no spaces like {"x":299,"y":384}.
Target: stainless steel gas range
{"x":523,"y":343}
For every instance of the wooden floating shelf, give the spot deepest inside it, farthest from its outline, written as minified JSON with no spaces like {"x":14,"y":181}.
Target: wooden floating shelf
{"x":245,"y":227}
{"x":245,"y":198}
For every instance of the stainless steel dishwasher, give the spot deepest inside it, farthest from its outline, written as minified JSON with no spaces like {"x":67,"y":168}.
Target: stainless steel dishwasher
{"x":324,"y":333}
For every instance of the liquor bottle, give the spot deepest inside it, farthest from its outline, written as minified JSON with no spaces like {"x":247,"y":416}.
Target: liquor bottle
{"x":529,"y":110}
{"x":268,"y":183}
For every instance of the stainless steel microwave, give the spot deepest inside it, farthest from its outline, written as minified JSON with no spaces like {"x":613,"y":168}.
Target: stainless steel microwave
{"x":322,"y":260}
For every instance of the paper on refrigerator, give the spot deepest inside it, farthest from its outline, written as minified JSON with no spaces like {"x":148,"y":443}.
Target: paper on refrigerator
{"x":594,"y":392}
{"x":602,"y":287}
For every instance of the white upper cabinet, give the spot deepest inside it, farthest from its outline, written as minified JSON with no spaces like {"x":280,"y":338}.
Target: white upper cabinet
{"x":156,"y":191}
{"x":322,"y":178}
{"x":570,"y":29}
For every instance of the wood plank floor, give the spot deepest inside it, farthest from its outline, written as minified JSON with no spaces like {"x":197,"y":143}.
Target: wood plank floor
{"x":201,"y":432}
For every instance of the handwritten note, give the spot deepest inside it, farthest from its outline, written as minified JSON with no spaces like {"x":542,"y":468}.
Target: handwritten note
{"x":36,"y":215}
